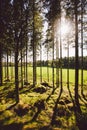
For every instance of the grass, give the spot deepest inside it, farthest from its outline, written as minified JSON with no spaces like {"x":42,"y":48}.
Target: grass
{"x":20,"y":116}
{"x":44,"y":74}
{"x":9,"y":117}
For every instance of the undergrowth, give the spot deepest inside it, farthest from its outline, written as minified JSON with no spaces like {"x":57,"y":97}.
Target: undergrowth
{"x":34,"y":112}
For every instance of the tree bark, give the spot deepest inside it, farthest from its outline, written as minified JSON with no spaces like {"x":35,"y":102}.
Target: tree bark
{"x":34,"y":47}
{"x":76,"y":59}
{"x":16,"y":74}
{"x":1,"y":74}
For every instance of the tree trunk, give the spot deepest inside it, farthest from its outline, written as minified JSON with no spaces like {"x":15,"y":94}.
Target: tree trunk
{"x":82,"y":39}
{"x":47,"y":64}
{"x":1,"y":65}
{"x":21,"y":70}
{"x":53,"y":57}
{"x":7,"y":67}
{"x":76,"y":60}
{"x":40,"y":63}
{"x":34,"y":47}
{"x":61,"y":82}
{"x":57,"y":64}
{"x":16,"y":74}
{"x":26,"y":63}
{"x":1,"y":32}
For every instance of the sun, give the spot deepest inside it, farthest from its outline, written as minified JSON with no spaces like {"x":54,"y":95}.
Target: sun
{"x":64,"y":29}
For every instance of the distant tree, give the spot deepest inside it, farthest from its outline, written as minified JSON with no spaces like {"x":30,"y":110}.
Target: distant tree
{"x":37,"y":26}
{"x":5,"y":18}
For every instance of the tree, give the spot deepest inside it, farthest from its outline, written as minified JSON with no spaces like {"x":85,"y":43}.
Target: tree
{"x":19,"y":34}
{"x":37,"y":26}
{"x":4,"y":20}
{"x":76,"y":59}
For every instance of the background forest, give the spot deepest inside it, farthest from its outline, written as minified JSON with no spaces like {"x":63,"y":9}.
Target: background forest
{"x":43,"y":64}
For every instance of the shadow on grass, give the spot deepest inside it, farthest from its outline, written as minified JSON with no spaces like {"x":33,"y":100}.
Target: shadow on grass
{"x":7,"y":89}
{"x":46,"y":128}
{"x":13,"y":126}
{"x":40,"y":105}
{"x":50,"y":94}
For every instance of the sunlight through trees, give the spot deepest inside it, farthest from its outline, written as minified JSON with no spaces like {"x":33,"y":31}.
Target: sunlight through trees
{"x":43,"y":52}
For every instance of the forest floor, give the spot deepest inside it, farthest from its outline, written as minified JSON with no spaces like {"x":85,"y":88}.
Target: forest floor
{"x":35,"y":110}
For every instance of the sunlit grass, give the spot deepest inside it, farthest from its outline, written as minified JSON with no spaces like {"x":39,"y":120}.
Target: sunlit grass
{"x":45,"y":75}
{"x":29,"y":97}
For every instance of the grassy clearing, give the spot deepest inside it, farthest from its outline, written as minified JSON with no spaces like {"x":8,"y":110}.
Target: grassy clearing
{"x":34,"y":111}
{"x":20,"y":116}
{"x":45,"y":74}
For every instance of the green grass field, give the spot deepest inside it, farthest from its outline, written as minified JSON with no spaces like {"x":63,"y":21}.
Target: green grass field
{"x":19,"y":116}
{"x":45,"y":75}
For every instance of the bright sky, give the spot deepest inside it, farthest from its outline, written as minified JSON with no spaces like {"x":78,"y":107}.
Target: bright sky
{"x":67,"y":32}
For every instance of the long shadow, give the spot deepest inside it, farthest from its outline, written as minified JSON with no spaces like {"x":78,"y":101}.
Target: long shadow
{"x":70,"y":94}
{"x":6,"y":89}
{"x":83,"y":95}
{"x":40,"y":106}
{"x":53,"y":91}
{"x":29,"y":88}
{"x":85,"y":103}
{"x":55,"y":108}
{"x":13,"y":126}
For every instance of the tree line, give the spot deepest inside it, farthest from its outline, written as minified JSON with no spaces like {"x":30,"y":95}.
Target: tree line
{"x":66,"y":62}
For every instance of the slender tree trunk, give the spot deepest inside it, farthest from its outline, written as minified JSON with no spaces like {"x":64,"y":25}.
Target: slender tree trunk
{"x":40,"y":63}
{"x":1,"y":32}
{"x":53,"y":57}
{"x":21,"y":44}
{"x":34,"y":47}
{"x":1,"y":72}
{"x":61,"y":82}
{"x":12,"y":68}
{"x":76,"y":60}
{"x":21,"y":70}
{"x":16,"y":41}
{"x":57,"y":63}
{"x":16,"y":74}
{"x":47,"y":64}
{"x":68,"y":62}
{"x":26,"y":50}
{"x":7,"y":67}
{"x":26,"y":63}
{"x":24,"y":69}
{"x":82,"y":9}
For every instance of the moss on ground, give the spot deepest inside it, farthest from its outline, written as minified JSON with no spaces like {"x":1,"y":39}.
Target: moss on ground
{"x":33,"y":112}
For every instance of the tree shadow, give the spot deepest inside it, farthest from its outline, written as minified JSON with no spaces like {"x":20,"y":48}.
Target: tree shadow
{"x":68,"y":87}
{"x":82,"y":93}
{"x":13,"y":126}
{"x":55,"y":107}
{"x":53,"y":91}
{"x":40,"y":105}
{"x":48,"y":127}
{"x":81,"y":120}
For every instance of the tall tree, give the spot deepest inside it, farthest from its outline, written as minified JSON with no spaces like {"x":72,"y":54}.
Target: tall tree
{"x":37,"y":25}
{"x":76,"y":59}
